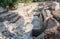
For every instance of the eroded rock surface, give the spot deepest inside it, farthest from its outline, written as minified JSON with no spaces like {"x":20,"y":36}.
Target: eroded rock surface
{"x":32,"y":21}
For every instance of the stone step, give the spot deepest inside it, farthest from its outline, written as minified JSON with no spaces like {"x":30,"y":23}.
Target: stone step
{"x":56,"y":15}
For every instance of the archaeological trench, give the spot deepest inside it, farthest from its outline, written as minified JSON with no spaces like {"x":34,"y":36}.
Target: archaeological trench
{"x":31,"y":21}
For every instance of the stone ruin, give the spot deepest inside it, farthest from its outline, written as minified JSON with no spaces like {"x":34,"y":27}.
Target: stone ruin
{"x":34,"y":21}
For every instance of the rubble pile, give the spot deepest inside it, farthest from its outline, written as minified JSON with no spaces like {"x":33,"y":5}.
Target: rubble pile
{"x":31,"y":21}
{"x":51,"y":24}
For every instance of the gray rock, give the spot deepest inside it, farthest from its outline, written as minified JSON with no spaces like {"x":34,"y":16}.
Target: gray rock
{"x":7,"y":34}
{"x":58,"y":35}
{"x":36,"y":13}
{"x":2,"y":27}
{"x":36,"y":23}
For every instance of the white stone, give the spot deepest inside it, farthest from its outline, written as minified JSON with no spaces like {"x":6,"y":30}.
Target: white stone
{"x":8,"y":26}
{"x":28,"y":27}
{"x":49,"y":13}
{"x":56,"y":5}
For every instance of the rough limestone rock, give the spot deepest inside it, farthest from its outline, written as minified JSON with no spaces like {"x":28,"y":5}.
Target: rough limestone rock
{"x":40,"y":22}
{"x":2,"y":10}
{"x":37,"y":12}
{"x":56,"y":5}
{"x":48,"y":12}
{"x":2,"y":27}
{"x":50,"y":29}
{"x":56,"y":15}
{"x":36,"y":23}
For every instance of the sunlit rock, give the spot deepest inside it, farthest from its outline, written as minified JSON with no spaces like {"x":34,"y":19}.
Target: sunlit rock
{"x":56,"y":5}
